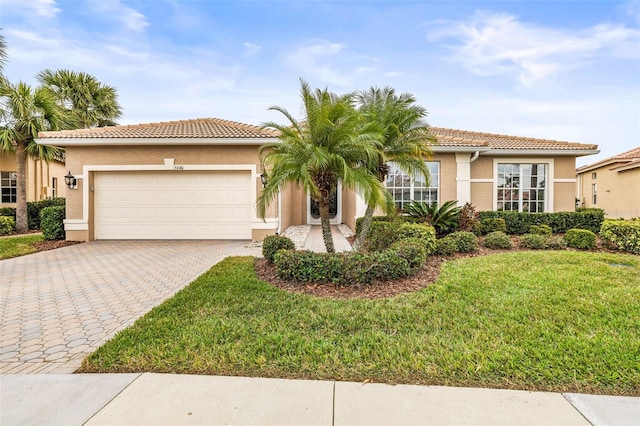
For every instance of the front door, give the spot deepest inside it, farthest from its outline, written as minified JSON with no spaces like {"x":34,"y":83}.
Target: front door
{"x":335,"y":208}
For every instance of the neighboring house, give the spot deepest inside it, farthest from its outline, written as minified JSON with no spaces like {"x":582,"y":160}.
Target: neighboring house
{"x":200,"y":179}
{"x":44,"y":180}
{"x":612,"y":185}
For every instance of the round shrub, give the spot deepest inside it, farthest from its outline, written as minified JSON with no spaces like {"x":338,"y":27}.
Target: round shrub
{"x":412,"y":250}
{"x":466,"y":242}
{"x":445,"y":246}
{"x":7,"y":225}
{"x":534,"y":241}
{"x":497,"y":240}
{"x":582,"y":239}
{"x":309,"y":267}
{"x":425,"y":233}
{"x":540,"y":230}
{"x":556,"y":242}
{"x":493,"y":224}
{"x":52,"y":222}
{"x":381,"y":266}
{"x":272,"y":243}
{"x":382,"y":235}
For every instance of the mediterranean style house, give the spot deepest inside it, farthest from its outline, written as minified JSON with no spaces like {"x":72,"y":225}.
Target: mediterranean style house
{"x":612,"y":184}
{"x":44,"y":180}
{"x":199,"y":179}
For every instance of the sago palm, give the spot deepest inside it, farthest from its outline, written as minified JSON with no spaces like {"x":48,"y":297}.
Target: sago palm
{"x":25,"y":113}
{"x":405,"y":141}
{"x":330,"y":144}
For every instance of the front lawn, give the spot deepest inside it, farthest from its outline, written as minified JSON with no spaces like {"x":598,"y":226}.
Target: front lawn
{"x":19,"y":245}
{"x":555,"y":321}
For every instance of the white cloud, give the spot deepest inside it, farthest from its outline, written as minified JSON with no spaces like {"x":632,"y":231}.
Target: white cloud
{"x":42,"y":8}
{"x":494,"y":44}
{"x":251,"y":49}
{"x":315,"y":59}
{"x":130,"y":18}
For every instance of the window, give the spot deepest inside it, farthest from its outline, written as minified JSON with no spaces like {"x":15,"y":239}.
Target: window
{"x":54,"y":187}
{"x":594,"y":193}
{"x":8,"y":187}
{"x":594,"y":175}
{"x":522,"y":187}
{"x":404,"y":189}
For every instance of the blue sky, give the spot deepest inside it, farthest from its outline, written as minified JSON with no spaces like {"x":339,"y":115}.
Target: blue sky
{"x":564,"y":70}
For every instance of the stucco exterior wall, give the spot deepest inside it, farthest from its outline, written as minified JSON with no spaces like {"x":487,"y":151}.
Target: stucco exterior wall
{"x":618,"y":191}
{"x":448,"y":174}
{"x":349,"y":208}
{"x":39,"y":177}
{"x":482,"y":195}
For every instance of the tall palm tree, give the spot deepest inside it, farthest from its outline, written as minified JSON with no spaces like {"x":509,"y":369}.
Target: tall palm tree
{"x":3,"y":53}
{"x":88,"y":102}
{"x":25,"y":112}
{"x":330,"y":144}
{"x":406,"y":139}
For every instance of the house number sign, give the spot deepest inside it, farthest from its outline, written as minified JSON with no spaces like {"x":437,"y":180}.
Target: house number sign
{"x":178,"y":167}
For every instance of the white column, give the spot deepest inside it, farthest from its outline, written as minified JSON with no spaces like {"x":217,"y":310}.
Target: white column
{"x":463,"y":178}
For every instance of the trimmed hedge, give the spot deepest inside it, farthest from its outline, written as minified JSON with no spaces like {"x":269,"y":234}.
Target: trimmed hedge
{"x":52,"y":222}
{"x":622,"y":234}
{"x":560,"y":222}
{"x":497,"y":240}
{"x":33,"y":210}
{"x":412,"y":250}
{"x":466,"y":242}
{"x":446,"y":246}
{"x":272,"y":243}
{"x":423,"y":232}
{"x":540,"y":229}
{"x":493,"y":224}
{"x":7,"y":225}
{"x":534,"y":241}
{"x":384,"y":234}
{"x":374,"y":219}
{"x":581,"y":239}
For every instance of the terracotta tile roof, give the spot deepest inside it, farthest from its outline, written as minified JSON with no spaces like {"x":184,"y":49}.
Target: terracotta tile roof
{"x":197,"y":128}
{"x":453,"y":138}
{"x":626,"y":160}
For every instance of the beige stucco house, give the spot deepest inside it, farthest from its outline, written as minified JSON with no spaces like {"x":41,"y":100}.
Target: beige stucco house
{"x":612,"y":184}
{"x":44,"y":180}
{"x":200,"y":179}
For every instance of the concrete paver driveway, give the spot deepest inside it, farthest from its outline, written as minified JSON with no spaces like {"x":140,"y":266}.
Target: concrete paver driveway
{"x":58,"y":306}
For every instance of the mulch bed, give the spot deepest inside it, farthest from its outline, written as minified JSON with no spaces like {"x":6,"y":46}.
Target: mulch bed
{"x":51,"y":245}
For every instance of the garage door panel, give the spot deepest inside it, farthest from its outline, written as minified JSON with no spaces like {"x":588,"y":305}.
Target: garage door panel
{"x":173,"y":205}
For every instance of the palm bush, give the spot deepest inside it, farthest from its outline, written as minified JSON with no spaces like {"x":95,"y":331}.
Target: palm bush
{"x":443,"y":218}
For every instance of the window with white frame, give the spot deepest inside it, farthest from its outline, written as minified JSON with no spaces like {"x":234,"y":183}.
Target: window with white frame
{"x":8,"y":187}
{"x":594,"y":194}
{"x":522,"y":187}
{"x":404,"y":189}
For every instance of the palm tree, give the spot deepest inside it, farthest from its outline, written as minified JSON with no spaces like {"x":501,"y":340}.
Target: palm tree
{"x":88,"y":102}
{"x":331,"y":144}
{"x":406,"y":139}
{"x":24,"y":113}
{"x":3,"y":52}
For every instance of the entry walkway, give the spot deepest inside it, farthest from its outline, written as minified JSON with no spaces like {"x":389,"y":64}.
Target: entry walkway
{"x":170,"y":399}
{"x":314,"y":241}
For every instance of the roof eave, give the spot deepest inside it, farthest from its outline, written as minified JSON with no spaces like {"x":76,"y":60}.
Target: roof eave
{"x":469,"y":149}
{"x":546,"y":152}
{"x":152,"y":141}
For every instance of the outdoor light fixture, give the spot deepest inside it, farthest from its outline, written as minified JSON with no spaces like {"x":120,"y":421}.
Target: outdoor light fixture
{"x":263,"y":178}
{"x":71,"y":181}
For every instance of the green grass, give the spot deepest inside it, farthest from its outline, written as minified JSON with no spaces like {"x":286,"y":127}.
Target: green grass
{"x":18,"y":246}
{"x":556,"y":321}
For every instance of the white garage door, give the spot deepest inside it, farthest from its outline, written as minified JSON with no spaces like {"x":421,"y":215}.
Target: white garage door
{"x":172,"y":205}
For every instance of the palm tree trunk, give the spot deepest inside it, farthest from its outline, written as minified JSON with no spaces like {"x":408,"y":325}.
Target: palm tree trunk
{"x":327,"y":237}
{"x":22,"y":220}
{"x":364,"y":229}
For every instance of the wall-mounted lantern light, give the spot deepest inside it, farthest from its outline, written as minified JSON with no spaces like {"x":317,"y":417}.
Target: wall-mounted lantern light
{"x":264,"y":178}
{"x":71,"y":181}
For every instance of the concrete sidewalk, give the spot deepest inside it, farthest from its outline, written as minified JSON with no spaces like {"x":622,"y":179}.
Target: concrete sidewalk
{"x":167,"y":399}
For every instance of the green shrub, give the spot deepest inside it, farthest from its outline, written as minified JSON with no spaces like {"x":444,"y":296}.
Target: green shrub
{"x":412,"y":250}
{"x":534,"y":241}
{"x":272,"y":243}
{"x":381,"y":266}
{"x":425,"y":233}
{"x":444,"y":218}
{"x":34,"y":209}
{"x":540,"y":230}
{"x":493,"y":224}
{"x":622,"y":234}
{"x":446,"y":246}
{"x":556,"y":242}
{"x":382,"y":235}
{"x":581,"y":239}
{"x":52,"y":222}
{"x":373,"y":220}
{"x":7,"y":225}
{"x":497,"y":240}
{"x":560,"y":222}
{"x":466,"y":242}
{"x":309,"y":267}
{"x":8,"y":211}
